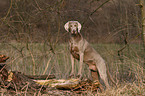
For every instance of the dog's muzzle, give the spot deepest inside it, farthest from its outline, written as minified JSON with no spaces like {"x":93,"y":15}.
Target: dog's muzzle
{"x":74,"y":31}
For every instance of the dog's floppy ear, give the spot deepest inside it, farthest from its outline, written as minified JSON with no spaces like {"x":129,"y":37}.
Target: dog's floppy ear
{"x":66,"y":26}
{"x":79,"y":26}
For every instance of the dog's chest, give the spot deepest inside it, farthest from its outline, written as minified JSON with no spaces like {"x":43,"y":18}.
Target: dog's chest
{"x":74,"y":51}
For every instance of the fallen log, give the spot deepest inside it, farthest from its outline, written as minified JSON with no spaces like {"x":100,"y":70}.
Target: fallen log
{"x":60,"y":83}
{"x":41,"y":77}
{"x":70,"y":84}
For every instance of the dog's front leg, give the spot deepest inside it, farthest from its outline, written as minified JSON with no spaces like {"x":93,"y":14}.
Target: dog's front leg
{"x":72,"y":64}
{"x":81,"y":64}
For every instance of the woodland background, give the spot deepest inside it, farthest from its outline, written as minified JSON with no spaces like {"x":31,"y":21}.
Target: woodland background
{"x":43,"y":20}
{"x":32,"y":34}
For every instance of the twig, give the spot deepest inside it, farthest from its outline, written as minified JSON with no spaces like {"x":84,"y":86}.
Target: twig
{"x":47,"y":65}
{"x":8,"y":11}
{"x":32,"y":59}
{"x":26,"y":88}
{"x":121,"y":49}
{"x":2,"y":68}
{"x":95,"y":11}
{"x":19,"y":50}
{"x":45,"y":79}
{"x":99,"y":7}
{"x":37,"y":5}
{"x":15,"y":86}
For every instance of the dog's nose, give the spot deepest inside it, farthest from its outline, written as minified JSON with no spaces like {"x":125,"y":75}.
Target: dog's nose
{"x":74,"y":32}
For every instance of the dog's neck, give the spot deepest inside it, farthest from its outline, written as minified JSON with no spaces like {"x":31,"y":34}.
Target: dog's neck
{"x":76,"y":37}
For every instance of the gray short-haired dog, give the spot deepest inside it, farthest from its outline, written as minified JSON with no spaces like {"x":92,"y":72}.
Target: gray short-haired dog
{"x":81,"y":50}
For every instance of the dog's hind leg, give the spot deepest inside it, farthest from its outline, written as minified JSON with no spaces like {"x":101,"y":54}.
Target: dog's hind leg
{"x":94,"y":72}
{"x":95,"y":75}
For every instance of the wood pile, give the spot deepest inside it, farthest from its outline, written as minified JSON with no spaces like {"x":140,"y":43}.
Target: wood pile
{"x":15,"y":80}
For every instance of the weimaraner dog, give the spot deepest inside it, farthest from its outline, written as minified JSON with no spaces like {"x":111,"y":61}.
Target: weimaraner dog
{"x":81,"y":50}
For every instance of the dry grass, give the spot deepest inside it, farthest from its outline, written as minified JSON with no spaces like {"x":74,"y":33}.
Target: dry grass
{"x":129,"y":73}
{"x":126,"y":89}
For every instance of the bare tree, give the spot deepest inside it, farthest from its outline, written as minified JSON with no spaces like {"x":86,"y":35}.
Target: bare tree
{"x":142,"y":5}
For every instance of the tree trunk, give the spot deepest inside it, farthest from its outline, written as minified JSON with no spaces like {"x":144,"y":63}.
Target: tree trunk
{"x":142,"y":5}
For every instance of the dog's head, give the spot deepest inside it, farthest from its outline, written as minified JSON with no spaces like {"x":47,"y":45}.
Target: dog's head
{"x":73,"y":26}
